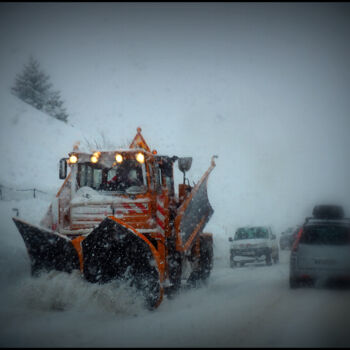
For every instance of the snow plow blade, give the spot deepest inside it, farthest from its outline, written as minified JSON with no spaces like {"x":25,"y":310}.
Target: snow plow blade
{"x":47,"y":250}
{"x":116,"y":251}
{"x":194,"y":213}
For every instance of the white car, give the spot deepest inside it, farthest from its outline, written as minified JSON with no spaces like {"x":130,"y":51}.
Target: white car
{"x":321,"y":251}
{"x":253,"y":244}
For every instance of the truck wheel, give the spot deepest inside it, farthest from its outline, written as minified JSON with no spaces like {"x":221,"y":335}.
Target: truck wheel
{"x":232,"y":263}
{"x":293,"y":282}
{"x":268,"y":258}
{"x":276,"y":259}
{"x":205,"y":263}
{"x":206,"y":258}
{"x":175,"y":272}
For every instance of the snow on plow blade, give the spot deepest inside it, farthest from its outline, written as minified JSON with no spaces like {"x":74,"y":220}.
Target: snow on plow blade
{"x":114,"y":250}
{"x":47,"y":250}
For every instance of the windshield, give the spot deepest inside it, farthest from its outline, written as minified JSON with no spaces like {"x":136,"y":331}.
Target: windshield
{"x":251,"y":233}
{"x":129,"y":176}
{"x":288,"y":231}
{"x":326,"y":235}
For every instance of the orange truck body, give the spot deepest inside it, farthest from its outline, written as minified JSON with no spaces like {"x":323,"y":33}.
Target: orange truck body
{"x":166,"y":227}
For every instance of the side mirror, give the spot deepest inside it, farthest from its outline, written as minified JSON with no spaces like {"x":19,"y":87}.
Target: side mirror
{"x":230,"y":239}
{"x":185,"y":163}
{"x":63,"y":168}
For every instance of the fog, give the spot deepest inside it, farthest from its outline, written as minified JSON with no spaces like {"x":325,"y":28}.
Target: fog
{"x":265,"y":86}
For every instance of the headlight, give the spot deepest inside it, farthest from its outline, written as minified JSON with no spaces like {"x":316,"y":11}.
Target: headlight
{"x":94,"y":159}
{"x":73,"y":159}
{"x":140,"y":157}
{"x":118,"y":158}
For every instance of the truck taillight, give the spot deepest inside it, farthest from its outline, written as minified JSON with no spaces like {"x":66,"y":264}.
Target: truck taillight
{"x":297,"y":239}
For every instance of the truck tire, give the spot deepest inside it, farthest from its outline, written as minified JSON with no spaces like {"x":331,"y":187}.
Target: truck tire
{"x":175,"y":272}
{"x":268,"y":258}
{"x":205,"y":262}
{"x":293,"y":283}
{"x":206,"y":258}
{"x":175,"y":261}
{"x":232,"y":263}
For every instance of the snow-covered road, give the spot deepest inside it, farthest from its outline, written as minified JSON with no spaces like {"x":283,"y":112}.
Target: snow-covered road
{"x":250,"y":306}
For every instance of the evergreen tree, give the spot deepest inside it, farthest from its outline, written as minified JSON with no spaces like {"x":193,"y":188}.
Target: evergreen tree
{"x":54,"y":106}
{"x":33,"y":86}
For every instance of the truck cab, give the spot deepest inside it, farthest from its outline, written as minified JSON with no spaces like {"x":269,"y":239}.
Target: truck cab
{"x":131,"y":184}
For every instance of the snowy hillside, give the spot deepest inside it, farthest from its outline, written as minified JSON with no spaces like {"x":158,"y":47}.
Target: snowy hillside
{"x":32,"y":144}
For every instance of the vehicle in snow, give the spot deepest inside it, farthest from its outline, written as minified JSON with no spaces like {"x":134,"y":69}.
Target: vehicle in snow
{"x":117,"y":217}
{"x":321,"y":251}
{"x":288,"y":236}
{"x":253,"y":244}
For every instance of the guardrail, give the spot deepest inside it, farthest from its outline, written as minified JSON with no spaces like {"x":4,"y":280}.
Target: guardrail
{"x":9,"y":193}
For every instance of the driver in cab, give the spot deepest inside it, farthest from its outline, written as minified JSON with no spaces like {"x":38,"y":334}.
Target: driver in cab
{"x":124,"y":180}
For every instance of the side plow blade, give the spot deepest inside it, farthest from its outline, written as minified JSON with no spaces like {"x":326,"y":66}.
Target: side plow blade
{"x":194,"y":213}
{"x":114,"y":250}
{"x":47,"y":250}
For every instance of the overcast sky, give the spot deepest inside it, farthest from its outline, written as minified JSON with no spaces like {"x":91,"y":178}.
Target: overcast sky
{"x":263,"y":85}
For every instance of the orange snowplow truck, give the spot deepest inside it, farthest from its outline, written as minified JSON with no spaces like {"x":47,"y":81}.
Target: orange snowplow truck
{"x":117,"y":217}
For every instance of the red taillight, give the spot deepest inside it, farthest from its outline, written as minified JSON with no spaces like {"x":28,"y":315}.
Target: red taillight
{"x":297,"y":239}
{"x":305,"y":277}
